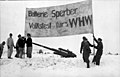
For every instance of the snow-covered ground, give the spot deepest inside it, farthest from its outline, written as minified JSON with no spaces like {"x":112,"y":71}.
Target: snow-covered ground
{"x":50,"y":65}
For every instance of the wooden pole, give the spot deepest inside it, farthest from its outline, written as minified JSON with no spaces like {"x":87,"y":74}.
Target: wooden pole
{"x":93,"y":33}
{"x":93,"y":47}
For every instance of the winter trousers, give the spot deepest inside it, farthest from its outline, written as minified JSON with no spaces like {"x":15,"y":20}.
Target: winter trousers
{"x":86,"y":59}
{"x":1,"y":51}
{"x":29,"y":52}
{"x":17,"y":52}
{"x":10,"y":51}
{"x":96,"y":59}
{"x":22,"y":52}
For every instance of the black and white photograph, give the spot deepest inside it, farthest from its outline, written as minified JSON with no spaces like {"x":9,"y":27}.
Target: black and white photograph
{"x":59,"y":38}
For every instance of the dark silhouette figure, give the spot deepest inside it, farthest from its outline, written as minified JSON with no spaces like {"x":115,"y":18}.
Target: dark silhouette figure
{"x":17,"y":47}
{"x":85,"y":46}
{"x":1,"y":48}
{"x":29,"y":46}
{"x":21,"y":43}
{"x":99,"y":47}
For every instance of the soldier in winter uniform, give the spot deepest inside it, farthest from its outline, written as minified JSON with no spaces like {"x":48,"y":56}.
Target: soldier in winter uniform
{"x":17,"y":47}
{"x":85,"y":46}
{"x":99,"y":52}
{"x":21,"y":44}
{"x":1,"y":48}
{"x":29,"y":46}
{"x":10,"y":45}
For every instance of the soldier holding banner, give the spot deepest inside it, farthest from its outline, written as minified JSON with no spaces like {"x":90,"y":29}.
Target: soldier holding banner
{"x":99,"y":47}
{"x":85,"y":46}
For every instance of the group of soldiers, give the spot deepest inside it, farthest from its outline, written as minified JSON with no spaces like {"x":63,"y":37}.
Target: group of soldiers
{"x":85,"y":47}
{"x":20,"y":46}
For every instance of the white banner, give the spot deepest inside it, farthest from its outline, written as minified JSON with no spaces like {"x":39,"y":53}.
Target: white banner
{"x":70,"y":19}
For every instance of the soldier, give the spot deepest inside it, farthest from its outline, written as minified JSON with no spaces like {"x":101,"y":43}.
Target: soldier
{"x":85,"y":46}
{"x":99,"y":47}
{"x":29,"y":45}
{"x":21,"y":44}
{"x":1,"y":48}
{"x":17,"y":47}
{"x":10,"y":45}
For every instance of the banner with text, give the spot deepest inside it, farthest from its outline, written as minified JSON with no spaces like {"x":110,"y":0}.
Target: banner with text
{"x":70,"y":19}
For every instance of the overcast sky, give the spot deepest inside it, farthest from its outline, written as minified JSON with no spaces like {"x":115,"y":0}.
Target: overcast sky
{"x":105,"y":21}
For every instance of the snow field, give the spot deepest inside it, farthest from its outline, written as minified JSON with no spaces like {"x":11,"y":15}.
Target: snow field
{"x":50,"y":65}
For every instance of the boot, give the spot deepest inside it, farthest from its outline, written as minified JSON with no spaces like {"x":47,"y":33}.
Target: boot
{"x":88,"y":65}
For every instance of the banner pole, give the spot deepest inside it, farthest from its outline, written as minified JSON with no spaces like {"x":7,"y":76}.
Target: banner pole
{"x":93,"y":46}
{"x":93,"y":33}
{"x":25,"y":34}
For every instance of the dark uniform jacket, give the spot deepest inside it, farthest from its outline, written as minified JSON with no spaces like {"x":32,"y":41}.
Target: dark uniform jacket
{"x":17,"y":45}
{"x":29,"y":42}
{"x":1,"y":47}
{"x":99,"y":47}
{"x":85,"y":46}
{"x":21,"y":42}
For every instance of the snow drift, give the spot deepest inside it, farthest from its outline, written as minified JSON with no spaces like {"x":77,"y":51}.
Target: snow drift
{"x":51,"y":65}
